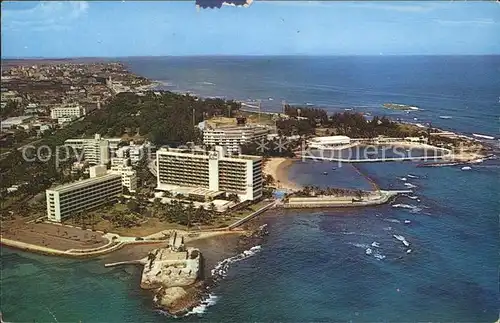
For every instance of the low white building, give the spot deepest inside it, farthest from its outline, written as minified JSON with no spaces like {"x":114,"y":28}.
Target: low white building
{"x":14,"y":122}
{"x":421,"y":140}
{"x":328,"y":142}
{"x":128,"y":174}
{"x":64,"y":120}
{"x":75,"y":111}
{"x":134,"y":152}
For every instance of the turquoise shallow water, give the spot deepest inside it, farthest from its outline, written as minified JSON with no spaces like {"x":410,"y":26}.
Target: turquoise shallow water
{"x":314,"y":265}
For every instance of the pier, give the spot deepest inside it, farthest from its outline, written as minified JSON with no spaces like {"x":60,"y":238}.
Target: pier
{"x":373,"y":160}
{"x":342,"y":201}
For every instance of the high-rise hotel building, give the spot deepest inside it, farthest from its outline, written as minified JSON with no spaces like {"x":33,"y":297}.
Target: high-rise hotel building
{"x":211,"y":170}
{"x":233,"y":137}
{"x":96,"y":151}
{"x":70,"y":199}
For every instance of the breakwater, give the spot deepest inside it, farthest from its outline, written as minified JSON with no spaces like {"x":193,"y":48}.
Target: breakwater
{"x":376,"y":198}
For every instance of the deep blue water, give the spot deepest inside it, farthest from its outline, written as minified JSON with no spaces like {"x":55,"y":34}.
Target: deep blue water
{"x":463,"y":87}
{"x":314,"y":265}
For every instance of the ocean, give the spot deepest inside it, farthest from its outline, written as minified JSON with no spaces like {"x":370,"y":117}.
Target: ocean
{"x":429,"y":256}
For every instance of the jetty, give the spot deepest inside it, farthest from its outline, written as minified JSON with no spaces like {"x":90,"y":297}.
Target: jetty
{"x":373,"y":160}
{"x":374,"y":198}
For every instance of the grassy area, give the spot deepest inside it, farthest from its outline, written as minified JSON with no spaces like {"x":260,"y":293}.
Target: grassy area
{"x":253,"y":117}
{"x":412,"y":129}
{"x":150,"y":226}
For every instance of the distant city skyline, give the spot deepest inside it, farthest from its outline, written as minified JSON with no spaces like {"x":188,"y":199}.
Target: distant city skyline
{"x":127,"y":28}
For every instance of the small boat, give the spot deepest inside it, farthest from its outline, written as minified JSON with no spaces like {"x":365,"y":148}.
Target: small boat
{"x":445,"y":117}
{"x":334,"y":168}
{"x":368,"y":251}
{"x":325,"y":173}
{"x":407,"y":221}
{"x":466,"y":168}
{"x":483,"y":136}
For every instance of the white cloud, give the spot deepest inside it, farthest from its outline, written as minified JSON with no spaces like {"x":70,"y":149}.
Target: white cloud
{"x":231,"y":4}
{"x":473,"y":22}
{"x":47,"y":15}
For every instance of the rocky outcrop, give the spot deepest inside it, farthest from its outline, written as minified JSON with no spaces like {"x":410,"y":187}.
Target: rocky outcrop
{"x":172,"y":275}
{"x":252,"y":238}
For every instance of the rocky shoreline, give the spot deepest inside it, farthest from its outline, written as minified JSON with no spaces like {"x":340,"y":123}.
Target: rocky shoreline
{"x":175,"y":274}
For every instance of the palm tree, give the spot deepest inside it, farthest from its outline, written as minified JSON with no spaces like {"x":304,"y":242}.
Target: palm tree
{"x":190,"y":212}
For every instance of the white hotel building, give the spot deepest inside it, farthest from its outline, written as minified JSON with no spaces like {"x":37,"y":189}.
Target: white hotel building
{"x":129,"y":175}
{"x":233,"y":137}
{"x":209,"y":173}
{"x":70,"y":199}
{"x":74,"y":111}
{"x":96,"y":151}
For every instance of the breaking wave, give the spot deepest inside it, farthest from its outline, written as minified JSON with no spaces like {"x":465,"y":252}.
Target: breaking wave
{"x":359,"y":245}
{"x":204,"y":304}
{"x":412,"y":208}
{"x":402,"y":239}
{"x":220,"y":270}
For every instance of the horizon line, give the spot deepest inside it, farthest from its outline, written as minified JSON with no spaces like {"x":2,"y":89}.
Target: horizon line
{"x":232,"y":55}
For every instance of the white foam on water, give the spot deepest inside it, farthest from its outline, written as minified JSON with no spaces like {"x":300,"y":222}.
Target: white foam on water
{"x":359,"y":245}
{"x":375,"y":244}
{"x":220,"y":270}
{"x":413,"y":197}
{"x":204,"y":304}
{"x":404,"y":206}
{"x":392,"y":220}
{"x":410,"y":185}
{"x":403,"y":179}
{"x":379,"y":256}
{"x":368,"y":251}
{"x":402,"y":239}
{"x":412,"y":208}
{"x":412,"y":176}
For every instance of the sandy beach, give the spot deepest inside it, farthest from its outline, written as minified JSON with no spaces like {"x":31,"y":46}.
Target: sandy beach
{"x":278,"y":169}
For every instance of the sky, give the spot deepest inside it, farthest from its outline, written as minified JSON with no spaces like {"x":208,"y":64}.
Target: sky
{"x":57,"y":29}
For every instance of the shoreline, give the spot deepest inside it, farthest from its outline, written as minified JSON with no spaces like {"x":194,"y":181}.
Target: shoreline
{"x":278,"y":168}
{"x":47,"y":251}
